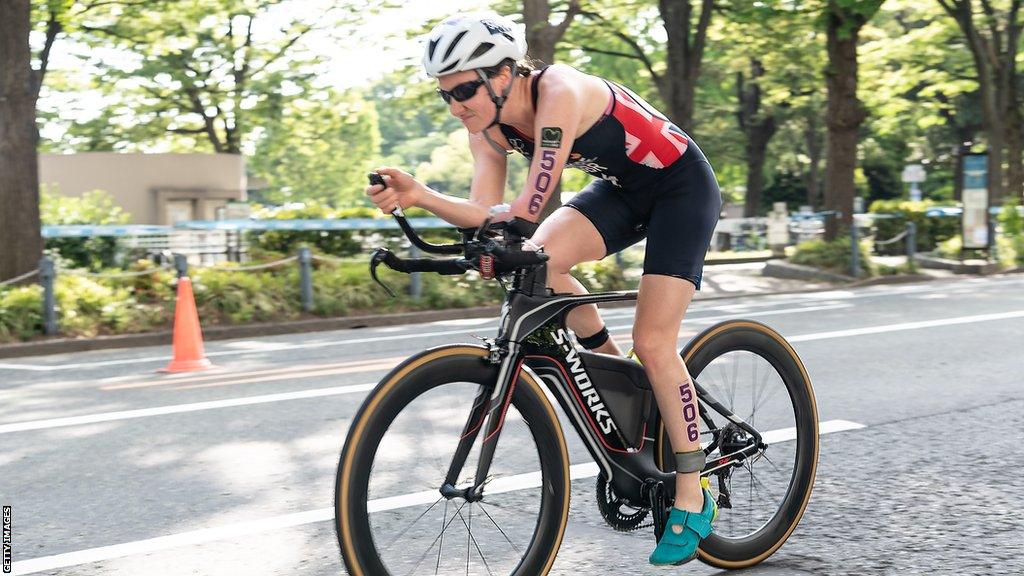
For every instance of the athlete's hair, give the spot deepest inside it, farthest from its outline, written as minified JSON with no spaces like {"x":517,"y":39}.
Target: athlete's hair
{"x":524,"y":67}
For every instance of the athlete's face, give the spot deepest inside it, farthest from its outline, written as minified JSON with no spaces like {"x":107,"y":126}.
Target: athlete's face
{"x":475,"y":110}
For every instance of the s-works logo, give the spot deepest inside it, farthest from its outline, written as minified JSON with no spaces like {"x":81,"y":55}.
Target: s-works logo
{"x":583,"y":383}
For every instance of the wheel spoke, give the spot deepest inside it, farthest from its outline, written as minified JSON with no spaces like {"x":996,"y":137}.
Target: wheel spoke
{"x":507,"y":539}
{"x":470,"y":537}
{"x":440,"y":536}
{"x":418,"y":518}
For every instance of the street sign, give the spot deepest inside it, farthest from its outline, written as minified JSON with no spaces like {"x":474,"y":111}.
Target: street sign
{"x":914,"y":174}
{"x":974,"y":225}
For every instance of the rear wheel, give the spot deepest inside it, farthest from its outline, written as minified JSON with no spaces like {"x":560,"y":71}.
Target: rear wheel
{"x":389,"y":514}
{"x":755,"y":374}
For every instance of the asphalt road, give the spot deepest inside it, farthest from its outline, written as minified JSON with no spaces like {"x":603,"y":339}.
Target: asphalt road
{"x":111,"y":468}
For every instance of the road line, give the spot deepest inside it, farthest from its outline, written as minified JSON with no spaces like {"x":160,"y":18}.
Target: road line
{"x":907,"y":326}
{"x":766,"y":300}
{"x":89,"y":419}
{"x":275,"y":523}
{"x":179,"y":408}
{"x":369,"y":365}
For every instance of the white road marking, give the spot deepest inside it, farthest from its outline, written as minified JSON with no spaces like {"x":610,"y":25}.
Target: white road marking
{"x":178,"y":408}
{"x":276,"y":523}
{"x":710,"y":319}
{"x":907,"y":326}
{"x":870,"y":292}
{"x":106,"y":417}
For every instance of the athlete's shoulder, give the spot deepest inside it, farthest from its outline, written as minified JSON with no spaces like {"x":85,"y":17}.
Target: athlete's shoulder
{"x":559,"y":77}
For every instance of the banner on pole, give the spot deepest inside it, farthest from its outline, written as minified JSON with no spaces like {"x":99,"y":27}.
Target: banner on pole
{"x":975,"y":232}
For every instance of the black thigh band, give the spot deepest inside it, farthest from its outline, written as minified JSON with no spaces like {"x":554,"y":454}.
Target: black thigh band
{"x":595,"y":341}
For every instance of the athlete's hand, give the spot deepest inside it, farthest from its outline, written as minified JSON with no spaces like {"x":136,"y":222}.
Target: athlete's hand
{"x":517,"y":209}
{"x":402,"y":190}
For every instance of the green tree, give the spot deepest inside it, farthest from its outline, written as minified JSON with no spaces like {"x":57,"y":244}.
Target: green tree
{"x":844,"y":20}
{"x":196,"y":71}
{"x":93,"y":207}
{"x":19,"y":138}
{"x":318,"y":149}
{"x":993,"y":34}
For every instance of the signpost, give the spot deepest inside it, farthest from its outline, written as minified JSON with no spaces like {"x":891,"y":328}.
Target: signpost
{"x":914,"y":174}
{"x":975,"y":225}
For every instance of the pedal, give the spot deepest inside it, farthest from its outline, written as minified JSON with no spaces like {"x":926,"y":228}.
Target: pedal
{"x":657,"y":498}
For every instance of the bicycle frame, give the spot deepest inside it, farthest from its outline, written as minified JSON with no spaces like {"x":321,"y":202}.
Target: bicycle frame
{"x":532,"y":336}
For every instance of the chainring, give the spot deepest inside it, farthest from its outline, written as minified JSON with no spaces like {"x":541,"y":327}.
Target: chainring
{"x":615,"y":511}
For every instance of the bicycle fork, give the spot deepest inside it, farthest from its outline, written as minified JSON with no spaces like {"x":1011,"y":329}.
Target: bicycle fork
{"x":488,"y":414}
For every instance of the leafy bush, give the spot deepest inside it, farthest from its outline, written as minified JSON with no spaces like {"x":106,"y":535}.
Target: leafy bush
{"x":226,"y":297}
{"x":834,"y":256}
{"x":21,"y":313}
{"x":333,"y":242}
{"x":93,"y":207}
{"x":930,"y":230}
{"x":1010,"y":218}
{"x":601,"y":276}
{"x":88,"y":306}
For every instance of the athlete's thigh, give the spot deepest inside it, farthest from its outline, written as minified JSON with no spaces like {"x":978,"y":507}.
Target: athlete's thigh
{"x":569,"y":238}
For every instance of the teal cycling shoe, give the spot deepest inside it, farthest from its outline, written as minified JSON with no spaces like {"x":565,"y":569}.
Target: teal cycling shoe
{"x":683,"y":533}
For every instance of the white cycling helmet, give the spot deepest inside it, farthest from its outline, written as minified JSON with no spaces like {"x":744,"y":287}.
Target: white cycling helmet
{"x":472,"y":41}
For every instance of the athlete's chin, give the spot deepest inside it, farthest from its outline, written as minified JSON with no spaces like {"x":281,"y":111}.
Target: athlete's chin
{"x":473,"y":125}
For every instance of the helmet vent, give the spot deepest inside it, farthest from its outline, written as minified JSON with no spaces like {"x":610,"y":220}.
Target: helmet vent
{"x":482,"y":49}
{"x":431,"y":46}
{"x":455,"y":42}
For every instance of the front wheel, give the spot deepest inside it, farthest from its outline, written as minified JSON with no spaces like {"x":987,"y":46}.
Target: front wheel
{"x":390,"y":516}
{"x":755,"y":374}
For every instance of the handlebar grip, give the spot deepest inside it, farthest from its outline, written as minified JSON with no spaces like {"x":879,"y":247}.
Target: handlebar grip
{"x":520,"y":258}
{"x":449,"y":267}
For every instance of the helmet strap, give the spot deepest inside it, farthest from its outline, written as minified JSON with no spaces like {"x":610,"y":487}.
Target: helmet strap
{"x":499,"y":101}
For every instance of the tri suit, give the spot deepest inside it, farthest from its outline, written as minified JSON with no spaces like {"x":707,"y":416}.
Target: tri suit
{"x":651,"y":181}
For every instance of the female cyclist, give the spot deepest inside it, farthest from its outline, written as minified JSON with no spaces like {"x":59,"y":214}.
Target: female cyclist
{"x":651,"y":181}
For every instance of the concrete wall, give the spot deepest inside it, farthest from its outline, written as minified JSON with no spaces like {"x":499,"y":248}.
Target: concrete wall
{"x":153,"y":188}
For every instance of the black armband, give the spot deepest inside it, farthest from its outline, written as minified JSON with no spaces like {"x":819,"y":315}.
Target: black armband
{"x":595,"y":341}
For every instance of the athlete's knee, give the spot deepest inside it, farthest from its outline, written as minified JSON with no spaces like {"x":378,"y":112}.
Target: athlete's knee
{"x":560,"y":261}
{"x":654,"y":347}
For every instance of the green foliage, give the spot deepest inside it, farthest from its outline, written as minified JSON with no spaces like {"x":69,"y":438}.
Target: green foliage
{"x":21,"y":313}
{"x":785,"y":187}
{"x":601,"y":276}
{"x":93,"y":207}
{"x":334,"y":242}
{"x":834,"y":256}
{"x":226,"y":297}
{"x":1012,"y":241}
{"x":274,"y":244}
{"x":318,"y":149}
{"x":1010,"y":217}
{"x":930,"y":230}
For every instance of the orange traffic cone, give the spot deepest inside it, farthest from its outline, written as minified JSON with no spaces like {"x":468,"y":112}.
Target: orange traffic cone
{"x":188,"y":337}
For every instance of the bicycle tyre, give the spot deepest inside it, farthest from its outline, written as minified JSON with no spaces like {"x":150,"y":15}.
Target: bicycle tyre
{"x":416,"y":376}
{"x":750,"y":336}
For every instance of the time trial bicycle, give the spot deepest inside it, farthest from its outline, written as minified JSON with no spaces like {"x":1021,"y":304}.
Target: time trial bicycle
{"x":456,"y":462}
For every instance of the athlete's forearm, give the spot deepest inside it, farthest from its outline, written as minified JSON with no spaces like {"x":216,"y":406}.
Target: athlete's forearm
{"x":458,"y":211}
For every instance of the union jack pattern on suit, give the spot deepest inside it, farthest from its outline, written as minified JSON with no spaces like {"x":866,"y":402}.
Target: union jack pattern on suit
{"x":651,"y":139}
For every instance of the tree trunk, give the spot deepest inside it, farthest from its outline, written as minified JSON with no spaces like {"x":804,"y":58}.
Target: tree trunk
{"x":684,"y":54}
{"x":1014,"y":131}
{"x":812,"y":179}
{"x":994,"y":57}
{"x":758,"y":129}
{"x":845,"y":113}
{"x":20,"y":234}
{"x":542,"y":37}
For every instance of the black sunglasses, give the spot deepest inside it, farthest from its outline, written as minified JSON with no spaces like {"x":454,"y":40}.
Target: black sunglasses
{"x":462,"y":92}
